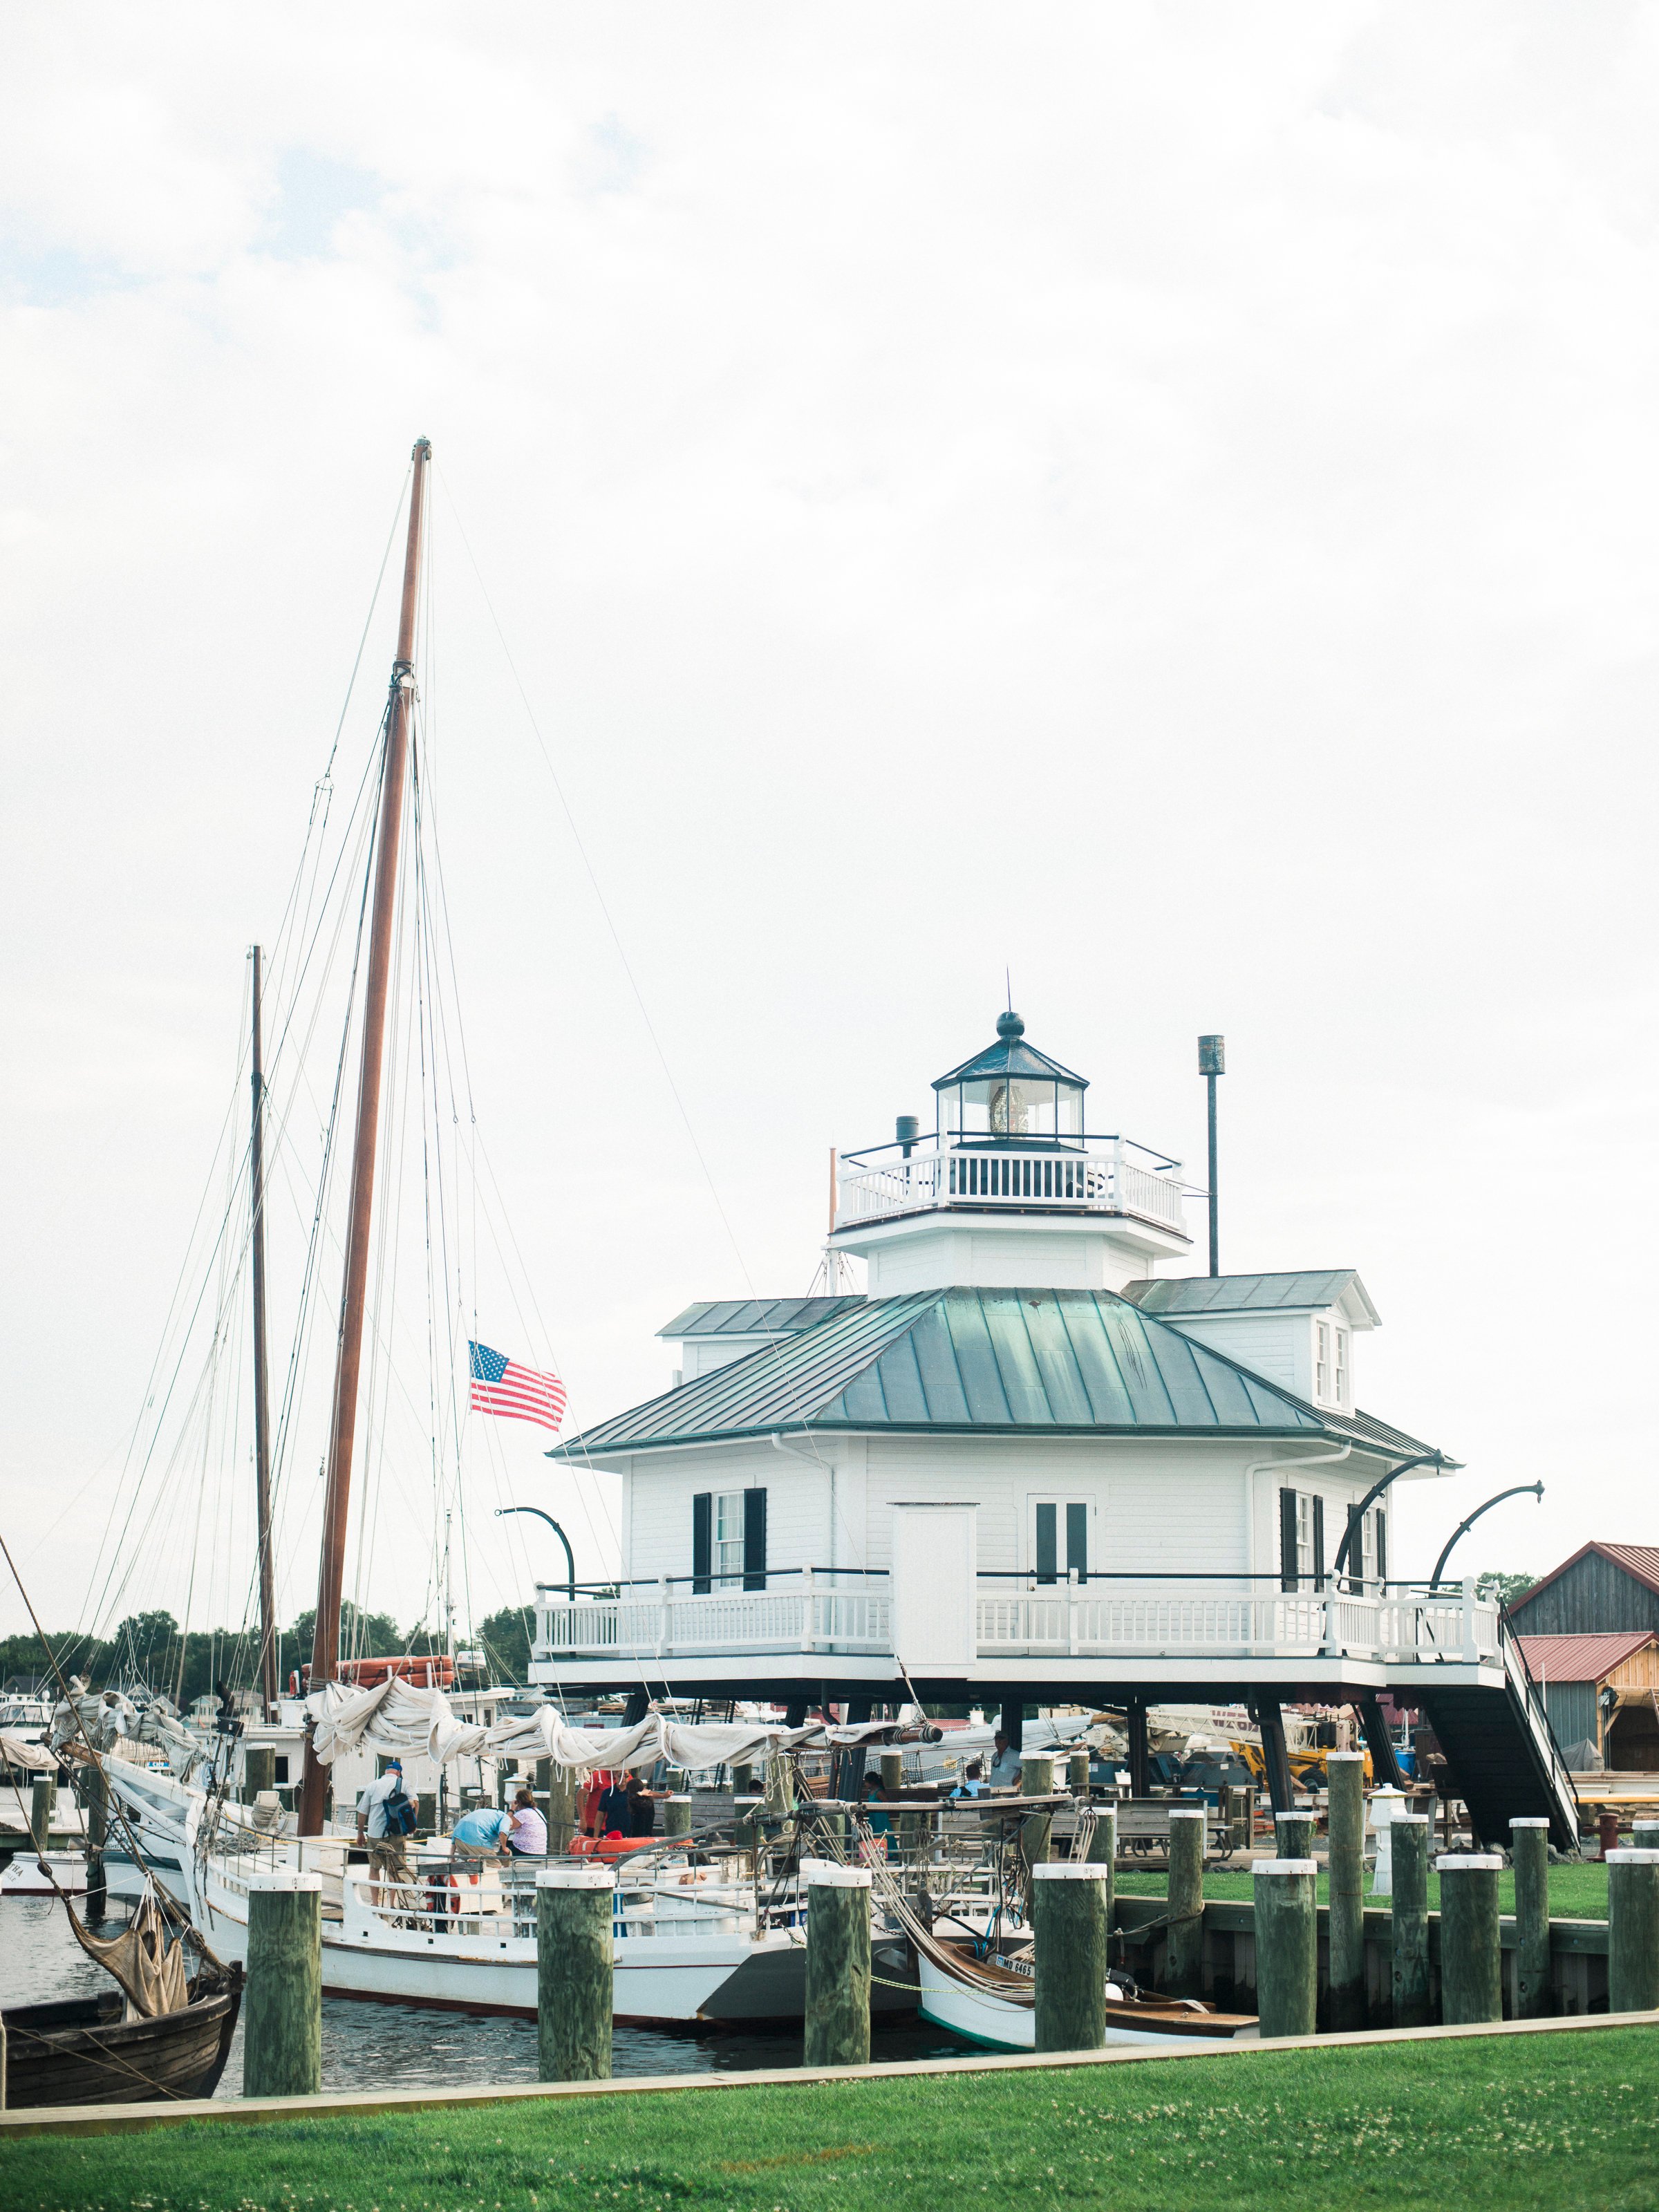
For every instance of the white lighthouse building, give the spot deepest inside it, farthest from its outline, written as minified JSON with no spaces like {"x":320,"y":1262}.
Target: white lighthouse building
{"x":1038,"y":1458}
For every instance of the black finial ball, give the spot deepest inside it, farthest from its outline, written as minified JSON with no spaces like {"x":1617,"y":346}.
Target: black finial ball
{"x":1010,"y":1026}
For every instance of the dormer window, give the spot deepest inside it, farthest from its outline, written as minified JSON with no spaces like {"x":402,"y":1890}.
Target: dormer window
{"x":1321,"y":1359}
{"x":1341,"y":1335}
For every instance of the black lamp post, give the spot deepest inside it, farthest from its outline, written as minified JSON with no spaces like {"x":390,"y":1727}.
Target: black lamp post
{"x":570,"y":1556}
{"x":1517,"y":1489}
{"x":1212,"y":1062}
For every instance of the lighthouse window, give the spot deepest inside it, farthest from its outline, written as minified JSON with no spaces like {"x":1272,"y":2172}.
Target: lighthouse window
{"x":1322,"y":1358}
{"x":728,"y":1537}
{"x":1342,"y":1367}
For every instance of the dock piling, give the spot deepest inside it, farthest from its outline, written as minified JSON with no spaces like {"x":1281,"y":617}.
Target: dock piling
{"x":1293,"y":1835}
{"x":1410,"y":1837}
{"x":282,"y":2006}
{"x":837,"y":1963}
{"x":1036,"y":1780}
{"x":1077,"y":1774}
{"x":1529,"y":1850}
{"x":1286,"y":1946}
{"x":1632,"y":1930}
{"x":1183,"y":1938}
{"x":575,"y":1973}
{"x":1345,"y":1775}
{"x":676,"y":1815}
{"x":1471,"y":1958}
{"x":43,"y":1809}
{"x":1071,"y":1915}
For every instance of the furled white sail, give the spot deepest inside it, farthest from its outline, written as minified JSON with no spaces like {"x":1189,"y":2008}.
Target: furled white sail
{"x":393,"y":1717}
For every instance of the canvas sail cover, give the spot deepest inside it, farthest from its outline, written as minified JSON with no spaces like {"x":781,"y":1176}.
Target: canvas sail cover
{"x":392,"y":1718}
{"x":148,"y":1968}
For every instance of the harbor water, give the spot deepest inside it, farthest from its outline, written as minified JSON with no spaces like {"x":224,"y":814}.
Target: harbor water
{"x":387,"y":2046}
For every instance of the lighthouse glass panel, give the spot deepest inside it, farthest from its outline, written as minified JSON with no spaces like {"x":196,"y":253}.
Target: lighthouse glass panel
{"x":1003,"y":1110}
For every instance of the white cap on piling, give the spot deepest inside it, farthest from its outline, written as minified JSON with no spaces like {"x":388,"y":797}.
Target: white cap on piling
{"x":1409,"y":1821}
{"x":1469,"y":1863}
{"x":1344,"y":1758}
{"x":1189,"y":1812}
{"x":1625,"y":1855}
{"x":829,"y":1873}
{"x":1286,"y":1866}
{"x":1293,"y":1816}
{"x":285,"y":1879}
{"x":1530,"y":1820}
{"x":679,"y":1797}
{"x":576,"y":1877}
{"x":1071,"y":1870}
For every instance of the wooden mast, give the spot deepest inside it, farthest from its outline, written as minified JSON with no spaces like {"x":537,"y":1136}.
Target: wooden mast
{"x":261,"y":1372}
{"x":331,"y":1582}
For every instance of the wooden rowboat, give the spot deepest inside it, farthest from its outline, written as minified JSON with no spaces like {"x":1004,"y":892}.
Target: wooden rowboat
{"x":82,"y":2050}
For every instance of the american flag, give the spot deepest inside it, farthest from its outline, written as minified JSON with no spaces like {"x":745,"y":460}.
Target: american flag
{"x":500,"y":1386}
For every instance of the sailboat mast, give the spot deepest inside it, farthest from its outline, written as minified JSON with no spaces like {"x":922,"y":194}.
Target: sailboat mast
{"x":331,"y":1581}
{"x":261,"y":1371}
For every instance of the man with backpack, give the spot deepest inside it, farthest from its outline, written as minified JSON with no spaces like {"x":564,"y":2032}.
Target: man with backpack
{"x":386,"y":1815}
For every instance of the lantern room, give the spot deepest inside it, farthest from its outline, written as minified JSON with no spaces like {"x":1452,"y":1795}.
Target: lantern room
{"x":1011,"y":1093}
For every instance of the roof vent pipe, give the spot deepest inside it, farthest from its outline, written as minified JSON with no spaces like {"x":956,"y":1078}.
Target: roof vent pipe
{"x":906,"y":1129}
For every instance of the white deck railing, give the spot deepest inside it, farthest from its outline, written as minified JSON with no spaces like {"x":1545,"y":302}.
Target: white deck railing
{"x":1154,"y":1617}
{"x":1101,"y":1181}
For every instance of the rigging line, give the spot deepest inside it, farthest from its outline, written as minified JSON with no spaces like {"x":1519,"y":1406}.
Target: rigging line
{"x":616,"y":938}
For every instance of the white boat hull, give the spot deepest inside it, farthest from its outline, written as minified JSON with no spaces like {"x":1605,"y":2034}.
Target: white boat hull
{"x":710,"y":1967}
{"x":997,"y":2023}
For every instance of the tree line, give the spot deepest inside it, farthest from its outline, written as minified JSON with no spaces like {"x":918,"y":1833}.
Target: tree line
{"x":149,"y":1651}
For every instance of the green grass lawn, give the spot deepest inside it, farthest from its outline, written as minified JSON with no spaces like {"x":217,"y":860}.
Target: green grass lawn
{"x":1576,"y":1892}
{"x":1536,"y":2120}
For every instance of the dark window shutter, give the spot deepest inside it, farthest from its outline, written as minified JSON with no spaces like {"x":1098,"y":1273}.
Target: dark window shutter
{"x":1287,"y":1539}
{"x":1356,"y":1548}
{"x":1077,"y":1540}
{"x":1382,"y":1545}
{"x":1318,"y":1543}
{"x":1047,"y":1543}
{"x":753,"y":1539}
{"x":703,"y":1540}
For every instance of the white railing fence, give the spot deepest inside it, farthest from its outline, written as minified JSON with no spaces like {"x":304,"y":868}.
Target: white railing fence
{"x":1159,"y":1617}
{"x":1103,"y":1181}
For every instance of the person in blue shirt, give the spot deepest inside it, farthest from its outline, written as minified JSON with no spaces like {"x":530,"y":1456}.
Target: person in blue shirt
{"x":483,"y":1830}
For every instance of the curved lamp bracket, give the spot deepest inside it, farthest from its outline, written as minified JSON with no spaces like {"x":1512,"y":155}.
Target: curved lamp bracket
{"x":1423,"y":1459}
{"x":1517,"y":1489}
{"x":570,"y":1556}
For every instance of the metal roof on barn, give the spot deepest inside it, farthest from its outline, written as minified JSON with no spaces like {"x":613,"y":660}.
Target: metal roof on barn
{"x":982,"y":1362}
{"x":1640,"y":1561}
{"x":756,"y":1316}
{"x":1581,"y":1658}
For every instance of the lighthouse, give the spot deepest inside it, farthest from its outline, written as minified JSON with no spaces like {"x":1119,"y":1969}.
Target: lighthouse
{"x":1038,"y":1459}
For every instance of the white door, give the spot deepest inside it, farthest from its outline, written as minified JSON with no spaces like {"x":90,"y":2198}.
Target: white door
{"x":935,"y":1559}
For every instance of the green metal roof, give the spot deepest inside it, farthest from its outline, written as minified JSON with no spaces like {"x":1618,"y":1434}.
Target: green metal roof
{"x":754,"y":1316}
{"x":984,"y":1362}
{"x":1011,"y":1055}
{"x":1199,"y":1294}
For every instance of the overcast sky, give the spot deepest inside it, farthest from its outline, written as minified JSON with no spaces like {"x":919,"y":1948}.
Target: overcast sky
{"x":1159,"y":500}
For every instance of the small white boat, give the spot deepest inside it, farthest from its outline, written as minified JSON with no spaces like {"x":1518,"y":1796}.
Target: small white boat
{"x":991,"y":2001}
{"x":23,"y":1877}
